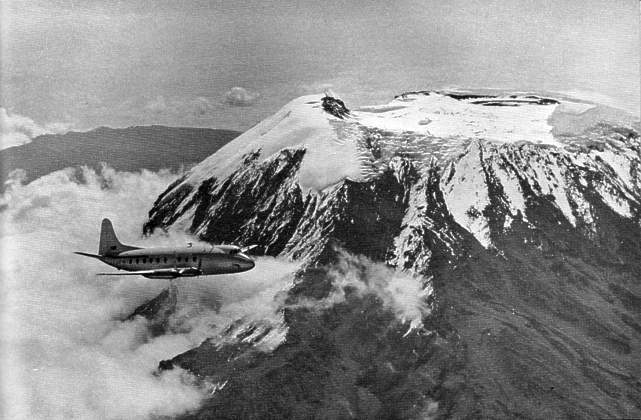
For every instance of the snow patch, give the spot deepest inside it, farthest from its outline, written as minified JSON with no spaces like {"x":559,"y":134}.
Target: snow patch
{"x":410,"y":240}
{"x":466,"y":194}
{"x":621,"y":165}
{"x":512,"y":190}
{"x":613,"y":200}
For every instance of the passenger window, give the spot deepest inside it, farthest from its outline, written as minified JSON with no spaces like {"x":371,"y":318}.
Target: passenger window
{"x":157,"y":260}
{"x":137,"y":261}
{"x":131,"y":261}
{"x":164,"y":259}
{"x":195,"y":259}
{"x":179,"y":259}
{"x":144,"y":260}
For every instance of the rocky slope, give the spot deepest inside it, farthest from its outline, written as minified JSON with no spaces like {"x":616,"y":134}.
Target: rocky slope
{"x":518,"y":216}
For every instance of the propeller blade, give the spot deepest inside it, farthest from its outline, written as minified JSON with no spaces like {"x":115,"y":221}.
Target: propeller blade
{"x":247,"y":248}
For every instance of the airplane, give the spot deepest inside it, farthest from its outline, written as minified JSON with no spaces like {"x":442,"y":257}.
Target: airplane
{"x":171,"y":262}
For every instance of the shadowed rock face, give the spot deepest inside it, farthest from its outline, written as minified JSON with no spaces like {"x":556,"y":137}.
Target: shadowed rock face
{"x":529,"y":255}
{"x":335,"y":107}
{"x":158,"y":310}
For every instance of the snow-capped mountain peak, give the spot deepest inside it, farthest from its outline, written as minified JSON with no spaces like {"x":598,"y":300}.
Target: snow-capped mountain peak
{"x":301,"y":124}
{"x":289,"y":182}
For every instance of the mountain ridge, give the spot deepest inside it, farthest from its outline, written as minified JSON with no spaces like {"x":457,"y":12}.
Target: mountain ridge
{"x":125,"y":149}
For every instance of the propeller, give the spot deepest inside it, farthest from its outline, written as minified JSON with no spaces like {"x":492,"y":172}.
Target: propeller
{"x":247,"y":248}
{"x":175,"y":269}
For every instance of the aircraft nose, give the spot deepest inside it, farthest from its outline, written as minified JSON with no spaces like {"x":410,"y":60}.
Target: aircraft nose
{"x":246,"y":262}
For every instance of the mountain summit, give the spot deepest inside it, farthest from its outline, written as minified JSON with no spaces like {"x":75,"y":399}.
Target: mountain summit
{"x":518,"y":216}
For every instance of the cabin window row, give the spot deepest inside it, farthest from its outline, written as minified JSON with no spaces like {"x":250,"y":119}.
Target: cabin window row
{"x":164,"y":260}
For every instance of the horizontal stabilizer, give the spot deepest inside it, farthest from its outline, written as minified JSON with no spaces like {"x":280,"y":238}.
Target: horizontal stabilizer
{"x":166,"y":273}
{"x":125,"y":273}
{"x":84,"y":254}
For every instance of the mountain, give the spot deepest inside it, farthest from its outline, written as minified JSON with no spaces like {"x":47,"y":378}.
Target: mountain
{"x":128,"y":149}
{"x":516,"y":218}
{"x":158,"y":310}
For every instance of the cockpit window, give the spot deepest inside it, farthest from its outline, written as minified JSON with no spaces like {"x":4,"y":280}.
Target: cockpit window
{"x":234,"y":251}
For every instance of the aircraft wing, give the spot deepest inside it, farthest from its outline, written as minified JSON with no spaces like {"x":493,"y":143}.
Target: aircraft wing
{"x":163,"y":273}
{"x":128,"y":273}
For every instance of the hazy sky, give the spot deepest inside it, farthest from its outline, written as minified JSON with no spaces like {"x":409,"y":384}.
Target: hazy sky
{"x":86,"y":63}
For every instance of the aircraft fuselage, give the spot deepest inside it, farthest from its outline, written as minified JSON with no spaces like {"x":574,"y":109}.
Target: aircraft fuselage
{"x":171,"y":262}
{"x":219,"y":259}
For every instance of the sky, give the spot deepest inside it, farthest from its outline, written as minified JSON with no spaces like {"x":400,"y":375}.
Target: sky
{"x":77,"y":65}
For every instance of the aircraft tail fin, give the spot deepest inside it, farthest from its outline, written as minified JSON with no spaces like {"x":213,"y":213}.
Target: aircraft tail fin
{"x":109,"y":243}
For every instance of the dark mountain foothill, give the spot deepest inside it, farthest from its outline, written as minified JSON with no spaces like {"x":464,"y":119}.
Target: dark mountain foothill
{"x":124,"y":149}
{"x":158,"y":310}
{"x":526,"y":247}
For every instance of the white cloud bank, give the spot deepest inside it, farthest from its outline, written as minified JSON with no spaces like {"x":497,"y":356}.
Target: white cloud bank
{"x":16,"y":130}
{"x":66,"y":351}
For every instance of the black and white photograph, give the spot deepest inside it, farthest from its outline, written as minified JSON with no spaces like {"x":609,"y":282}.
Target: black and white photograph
{"x":418,"y":209}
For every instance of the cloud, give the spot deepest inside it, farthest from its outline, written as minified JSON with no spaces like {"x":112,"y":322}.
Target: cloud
{"x":67,"y":353}
{"x":201,"y":106}
{"x":17,"y":129}
{"x":238,"y":96}
{"x":157,"y":105}
{"x":403,"y":293}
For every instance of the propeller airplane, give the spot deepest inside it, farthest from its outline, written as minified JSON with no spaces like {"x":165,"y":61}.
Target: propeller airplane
{"x":170,"y":262}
